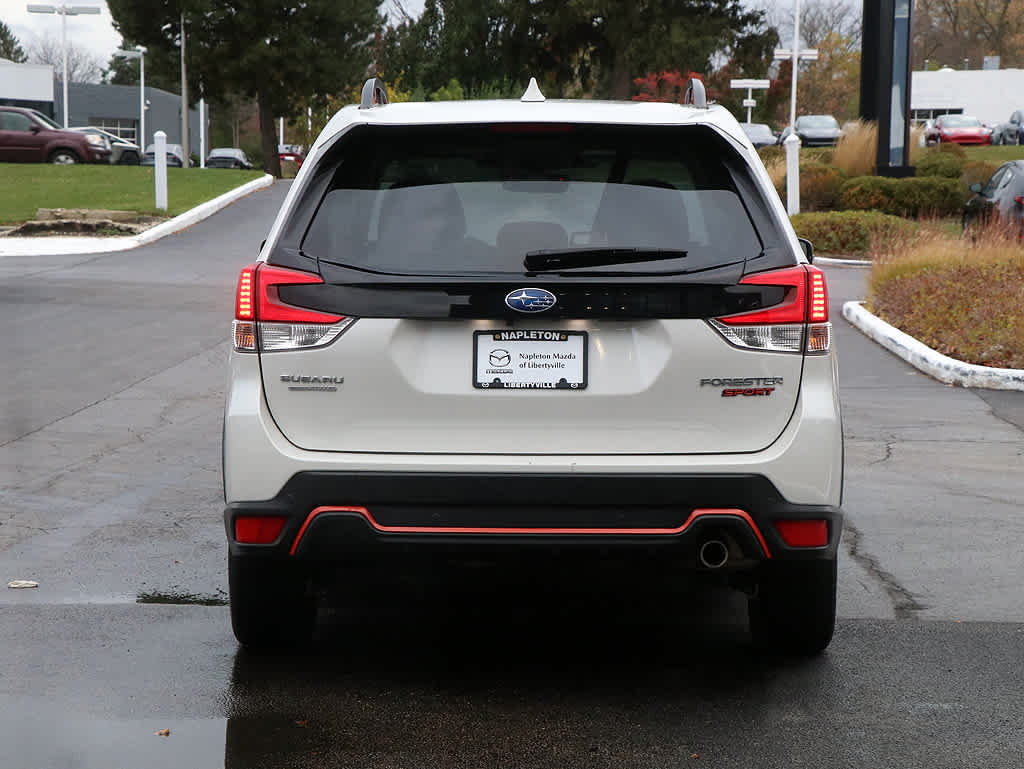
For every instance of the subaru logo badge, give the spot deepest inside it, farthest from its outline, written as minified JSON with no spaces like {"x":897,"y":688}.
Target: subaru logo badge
{"x":530,"y":300}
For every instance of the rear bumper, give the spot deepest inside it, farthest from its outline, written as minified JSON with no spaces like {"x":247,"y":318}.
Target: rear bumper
{"x":336,"y":516}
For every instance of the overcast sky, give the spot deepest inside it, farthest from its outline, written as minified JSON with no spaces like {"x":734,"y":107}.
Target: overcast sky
{"x":93,"y":33}
{"x":97,"y":35}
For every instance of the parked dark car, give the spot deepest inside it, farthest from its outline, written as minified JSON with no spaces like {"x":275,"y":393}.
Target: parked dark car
{"x":122,"y":151}
{"x":760,"y":135}
{"x":958,"y":129}
{"x":1001,"y":196}
{"x":228,"y":157}
{"x":175,"y":156}
{"x":1010,"y":131}
{"x":814,"y":131}
{"x":29,"y":136}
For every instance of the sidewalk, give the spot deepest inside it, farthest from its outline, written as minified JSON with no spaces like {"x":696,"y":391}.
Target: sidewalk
{"x":81,"y":244}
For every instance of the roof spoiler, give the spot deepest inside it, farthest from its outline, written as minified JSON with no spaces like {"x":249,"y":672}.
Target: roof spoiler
{"x":375,"y":93}
{"x":695,"y":94}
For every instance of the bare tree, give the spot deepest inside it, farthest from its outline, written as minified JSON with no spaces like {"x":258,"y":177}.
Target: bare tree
{"x":821,"y":18}
{"x":83,"y":66}
{"x":818,"y":19}
{"x":950,"y":31}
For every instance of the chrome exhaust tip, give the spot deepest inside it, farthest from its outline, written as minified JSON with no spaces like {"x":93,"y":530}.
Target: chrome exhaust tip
{"x":714,"y":554}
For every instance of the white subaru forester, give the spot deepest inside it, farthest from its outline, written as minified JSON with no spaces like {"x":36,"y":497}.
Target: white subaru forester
{"x":534,"y":326}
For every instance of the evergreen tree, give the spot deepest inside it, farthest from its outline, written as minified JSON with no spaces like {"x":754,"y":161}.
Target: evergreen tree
{"x":283,"y":55}
{"x":163,"y":68}
{"x":10,"y":48}
{"x":573,"y":47}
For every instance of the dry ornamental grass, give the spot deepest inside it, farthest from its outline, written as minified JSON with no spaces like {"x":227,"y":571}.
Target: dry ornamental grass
{"x":963,"y":296}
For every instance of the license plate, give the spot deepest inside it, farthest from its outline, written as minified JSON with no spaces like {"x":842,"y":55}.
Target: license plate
{"x":530,"y":360}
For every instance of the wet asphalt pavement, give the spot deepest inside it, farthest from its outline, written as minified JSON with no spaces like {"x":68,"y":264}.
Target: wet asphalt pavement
{"x":110,"y":494}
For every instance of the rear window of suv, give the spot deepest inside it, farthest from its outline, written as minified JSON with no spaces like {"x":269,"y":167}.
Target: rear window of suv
{"x":476,"y":199}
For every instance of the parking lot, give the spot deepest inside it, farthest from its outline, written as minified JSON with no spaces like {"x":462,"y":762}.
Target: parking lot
{"x":110,"y":497}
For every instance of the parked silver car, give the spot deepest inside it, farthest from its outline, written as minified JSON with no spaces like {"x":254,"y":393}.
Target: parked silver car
{"x":175,"y":156}
{"x":228,"y":157}
{"x":1010,"y":131}
{"x":122,"y":151}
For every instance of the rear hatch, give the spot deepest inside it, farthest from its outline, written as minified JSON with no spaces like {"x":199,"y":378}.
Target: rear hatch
{"x":532,"y":289}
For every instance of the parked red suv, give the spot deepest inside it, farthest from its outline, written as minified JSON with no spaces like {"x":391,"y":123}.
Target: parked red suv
{"x":28,"y":136}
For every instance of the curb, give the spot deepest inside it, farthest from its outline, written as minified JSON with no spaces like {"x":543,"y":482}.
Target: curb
{"x":76,"y":244}
{"x":842,"y":262}
{"x":924,"y":358}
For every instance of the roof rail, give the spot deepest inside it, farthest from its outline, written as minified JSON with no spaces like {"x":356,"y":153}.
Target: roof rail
{"x":375,"y":93}
{"x":695,"y":94}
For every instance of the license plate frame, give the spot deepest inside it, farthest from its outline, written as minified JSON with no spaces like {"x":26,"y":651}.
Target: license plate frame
{"x":515,"y":375}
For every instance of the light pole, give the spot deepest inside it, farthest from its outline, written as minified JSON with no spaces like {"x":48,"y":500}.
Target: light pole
{"x":64,"y":11}
{"x":140,"y":54}
{"x":792,"y":142}
{"x":184,"y":95}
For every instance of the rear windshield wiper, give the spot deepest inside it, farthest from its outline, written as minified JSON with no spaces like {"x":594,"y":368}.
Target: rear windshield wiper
{"x":575,"y":258}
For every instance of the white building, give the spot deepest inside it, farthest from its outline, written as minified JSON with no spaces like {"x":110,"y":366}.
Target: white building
{"x":26,"y":85}
{"x":987,"y":94}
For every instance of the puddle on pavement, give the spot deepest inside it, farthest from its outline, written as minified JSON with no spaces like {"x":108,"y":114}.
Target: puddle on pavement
{"x":182,"y":599}
{"x":88,"y":743}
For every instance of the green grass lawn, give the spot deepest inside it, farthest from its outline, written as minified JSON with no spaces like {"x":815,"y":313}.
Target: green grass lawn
{"x":26,"y":187}
{"x":999,"y":154}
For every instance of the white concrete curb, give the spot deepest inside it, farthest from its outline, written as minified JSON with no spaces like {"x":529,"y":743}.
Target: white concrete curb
{"x":924,"y":358}
{"x":842,"y":262}
{"x":80,"y":244}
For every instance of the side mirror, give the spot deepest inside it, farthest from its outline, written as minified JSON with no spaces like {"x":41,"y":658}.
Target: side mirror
{"x":808,"y":249}
{"x":975,"y":187}
{"x":35,"y":128}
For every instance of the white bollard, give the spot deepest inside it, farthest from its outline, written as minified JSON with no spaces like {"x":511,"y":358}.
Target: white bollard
{"x":160,"y":169}
{"x":792,"y":145}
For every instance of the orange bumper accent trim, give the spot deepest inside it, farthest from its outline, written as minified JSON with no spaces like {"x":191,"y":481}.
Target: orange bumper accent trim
{"x":696,"y":514}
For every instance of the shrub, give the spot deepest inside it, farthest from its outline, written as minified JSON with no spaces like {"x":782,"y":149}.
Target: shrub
{"x":865,"y":193}
{"x":960,"y":295}
{"x":937,"y":163}
{"x":855,"y":152}
{"x":850,"y":233}
{"x":772,"y":154}
{"x":819,"y":186}
{"x":816,"y":155}
{"x":977,"y":172}
{"x":954,"y":149}
{"x":914,"y":197}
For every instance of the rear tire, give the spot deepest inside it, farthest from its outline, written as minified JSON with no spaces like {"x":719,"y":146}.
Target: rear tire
{"x":794,"y":611}
{"x":64,"y":157}
{"x":271,"y":604}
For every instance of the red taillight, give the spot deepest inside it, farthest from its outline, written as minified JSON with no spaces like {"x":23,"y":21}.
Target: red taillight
{"x":259,"y":530}
{"x":257,"y":297}
{"x":1019,"y":200}
{"x":244,"y":309}
{"x":781,"y":328}
{"x":806,"y":297}
{"x":263,"y":321}
{"x":817,"y":299}
{"x":803,"y":533}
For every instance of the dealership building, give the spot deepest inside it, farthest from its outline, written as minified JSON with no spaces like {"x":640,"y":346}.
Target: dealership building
{"x":114,"y":108}
{"x":990,"y":95}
